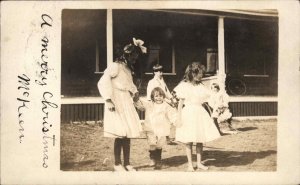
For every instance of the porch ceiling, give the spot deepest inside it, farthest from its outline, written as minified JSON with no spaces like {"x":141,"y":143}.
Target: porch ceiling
{"x":260,"y":15}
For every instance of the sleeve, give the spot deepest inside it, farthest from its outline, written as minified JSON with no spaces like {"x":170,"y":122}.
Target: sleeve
{"x":172,"y":114}
{"x":149,"y":89}
{"x":105,"y":84}
{"x":133,"y":88}
{"x":168,"y":93}
{"x":211,"y":101}
{"x":180,"y":90}
{"x":112,"y":70}
{"x":225,"y":98}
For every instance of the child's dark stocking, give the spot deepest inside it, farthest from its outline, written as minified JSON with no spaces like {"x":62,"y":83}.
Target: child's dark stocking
{"x":152,"y":155}
{"x":158,"y":152}
{"x":126,"y":151}
{"x":229,"y":124}
{"x":117,"y":150}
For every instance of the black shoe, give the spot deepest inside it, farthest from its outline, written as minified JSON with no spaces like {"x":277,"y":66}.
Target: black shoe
{"x":158,"y":163}
{"x":152,"y":155}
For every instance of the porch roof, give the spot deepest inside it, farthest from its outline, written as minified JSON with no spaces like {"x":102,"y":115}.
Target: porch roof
{"x":259,"y":15}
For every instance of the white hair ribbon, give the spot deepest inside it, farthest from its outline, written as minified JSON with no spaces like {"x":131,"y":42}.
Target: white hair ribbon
{"x":139,"y":43}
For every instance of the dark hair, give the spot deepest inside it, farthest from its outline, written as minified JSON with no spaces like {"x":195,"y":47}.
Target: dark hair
{"x":131,"y":49}
{"x":195,"y":68}
{"x":159,"y":90}
{"x":215,"y":85}
{"x":124,"y":53}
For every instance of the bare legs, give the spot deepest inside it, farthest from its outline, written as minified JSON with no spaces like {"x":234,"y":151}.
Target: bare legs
{"x":199,"y":151}
{"x":189,"y":152}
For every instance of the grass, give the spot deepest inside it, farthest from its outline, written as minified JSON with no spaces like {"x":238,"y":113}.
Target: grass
{"x":254,"y":148}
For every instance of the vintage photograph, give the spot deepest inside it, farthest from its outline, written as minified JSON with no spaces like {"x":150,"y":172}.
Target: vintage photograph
{"x":169,"y":90}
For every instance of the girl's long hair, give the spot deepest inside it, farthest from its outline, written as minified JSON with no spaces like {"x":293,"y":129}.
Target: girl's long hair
{"x":122,"y":55}
{"x":195,"y":67}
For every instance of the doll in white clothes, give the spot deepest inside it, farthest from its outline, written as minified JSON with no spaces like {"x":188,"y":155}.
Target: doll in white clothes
{"x":220,"y":109}
{"x":159,"y":117}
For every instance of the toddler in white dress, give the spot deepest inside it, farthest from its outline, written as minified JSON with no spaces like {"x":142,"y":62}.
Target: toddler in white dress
{"x":158,"y":119}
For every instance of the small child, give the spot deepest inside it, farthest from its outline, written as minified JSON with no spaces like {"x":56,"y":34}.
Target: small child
{"x":220,"y":110}
{"x":159,"y":117}
{"x":158,"y":81}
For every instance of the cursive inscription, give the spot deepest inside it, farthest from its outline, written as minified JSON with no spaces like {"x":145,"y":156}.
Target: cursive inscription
{"x":43,"y":63}
{"x":23,"y":87}
{"x":47,"y":103}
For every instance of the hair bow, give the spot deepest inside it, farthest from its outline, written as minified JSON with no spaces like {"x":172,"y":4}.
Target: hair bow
{"x":139,"y":43}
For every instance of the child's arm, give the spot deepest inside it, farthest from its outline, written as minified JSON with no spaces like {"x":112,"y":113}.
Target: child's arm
{"x":141,"y":104}
{"x":225,"y":99}
{"x":178,"y":122}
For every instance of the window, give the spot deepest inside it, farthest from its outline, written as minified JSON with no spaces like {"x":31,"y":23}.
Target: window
{"x":211,"y":61}
{"x":100,"y":57}
{"x":163,"y":55}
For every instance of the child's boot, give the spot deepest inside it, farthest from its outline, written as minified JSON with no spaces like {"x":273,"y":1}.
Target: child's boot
{"x":152,"y":157}
{"x":158,"y":159}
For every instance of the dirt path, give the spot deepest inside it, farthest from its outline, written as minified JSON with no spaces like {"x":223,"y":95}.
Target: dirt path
{"x":254,"y":148}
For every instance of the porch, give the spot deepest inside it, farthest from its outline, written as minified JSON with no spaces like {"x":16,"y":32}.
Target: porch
{"x":82,"y":109}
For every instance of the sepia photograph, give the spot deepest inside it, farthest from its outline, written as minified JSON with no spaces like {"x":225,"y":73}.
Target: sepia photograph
{"x":215,"y":75}
{"x":150,"y":92}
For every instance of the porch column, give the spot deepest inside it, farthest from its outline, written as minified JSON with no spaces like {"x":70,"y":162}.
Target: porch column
{"x":109,"y":36}
{"x":221,"y":54}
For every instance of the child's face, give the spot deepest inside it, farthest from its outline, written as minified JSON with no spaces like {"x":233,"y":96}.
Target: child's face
{"x":197,"y":77}
{"x":158,"y":74}
{"x":158,"y":98}
{"x":214,"y":89}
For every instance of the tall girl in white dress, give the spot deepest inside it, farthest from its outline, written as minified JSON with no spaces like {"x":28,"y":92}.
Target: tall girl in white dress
{"x":196,"y":125}
{"x":121,"y":120}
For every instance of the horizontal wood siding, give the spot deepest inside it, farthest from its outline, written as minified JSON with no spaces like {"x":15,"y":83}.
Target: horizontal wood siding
{"x":95,"y":112}
{"x":240,"y":109}
{"x":82,"y":112}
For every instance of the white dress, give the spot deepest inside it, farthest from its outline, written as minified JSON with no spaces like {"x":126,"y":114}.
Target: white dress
{"x":158,"y":117}
{"x":197,"y":126}
{"x":116,"y":84}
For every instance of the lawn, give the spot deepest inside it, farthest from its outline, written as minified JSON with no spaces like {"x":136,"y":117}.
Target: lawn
{"x":254,"y":148}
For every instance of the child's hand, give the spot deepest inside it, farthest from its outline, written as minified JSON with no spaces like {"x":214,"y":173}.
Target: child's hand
{"x":136,"y":97}
{"x":178,"y":122}
{"x":139,"y":105}
{"x":110,"y":105}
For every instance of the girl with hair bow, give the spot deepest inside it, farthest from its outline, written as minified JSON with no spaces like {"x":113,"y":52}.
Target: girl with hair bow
{"x":121,"y":120}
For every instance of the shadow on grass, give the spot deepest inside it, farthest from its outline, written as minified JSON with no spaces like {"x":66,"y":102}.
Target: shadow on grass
{"x":246,"y":129}
{"x":220,"y":158}
{"x":71,"y":165}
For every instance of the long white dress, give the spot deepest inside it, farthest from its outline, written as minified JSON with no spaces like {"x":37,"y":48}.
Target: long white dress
{"x":116,"y":84}
{"x":197,"y":126}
